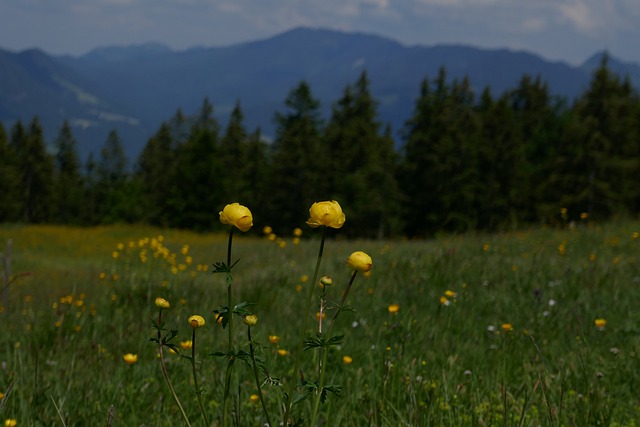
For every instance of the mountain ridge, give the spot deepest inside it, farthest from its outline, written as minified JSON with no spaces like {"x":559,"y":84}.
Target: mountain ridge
{"x":134,"y":88}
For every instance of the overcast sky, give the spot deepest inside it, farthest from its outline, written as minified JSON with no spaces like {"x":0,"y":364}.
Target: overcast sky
{"x":567,"y":30}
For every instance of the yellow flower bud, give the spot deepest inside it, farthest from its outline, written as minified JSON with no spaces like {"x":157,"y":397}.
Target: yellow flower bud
{"x":325,"y":281}
{"x":196,"y":321}
{"x":186,"y":345}
{"x":267,"y":230}
{"x":297,"y":232}
{"x":250,"y":319}
{"x":326,"y":213}
{"x":274,"y":339}
{"x":130,"y":358}
{"x":347,"y":360}
{"x":162,"y":303}
{"x":237,"y":215}
{"x":360,"y":261}
{"x":10,"y":422}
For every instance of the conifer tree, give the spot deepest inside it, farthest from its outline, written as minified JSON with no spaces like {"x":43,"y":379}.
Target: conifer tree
{"x":298,"y":176}
{"x":9,"y":182}
{"x":112,"y":182}
{"x":35,"y":169}
{"x":68,"y":182}
{"x":363,"y":162}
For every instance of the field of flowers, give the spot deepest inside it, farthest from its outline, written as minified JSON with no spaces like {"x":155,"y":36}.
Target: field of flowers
{"x":536,"y":327}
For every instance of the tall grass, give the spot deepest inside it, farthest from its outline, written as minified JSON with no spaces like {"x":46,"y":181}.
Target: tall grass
{"x":491,"y":329}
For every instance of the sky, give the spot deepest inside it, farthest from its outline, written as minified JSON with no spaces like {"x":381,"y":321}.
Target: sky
{"x":562,"y":30}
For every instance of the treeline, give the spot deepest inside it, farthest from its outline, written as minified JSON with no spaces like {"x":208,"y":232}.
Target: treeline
{"x":467,"y":162}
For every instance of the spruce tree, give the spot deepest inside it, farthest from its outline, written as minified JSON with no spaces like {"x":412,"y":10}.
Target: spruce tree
{"x":68,"y":182}
{"x":9,"y":181}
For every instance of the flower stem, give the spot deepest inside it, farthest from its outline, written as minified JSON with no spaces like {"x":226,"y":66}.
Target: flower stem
{"x":195,"y":377}
{"x":165,"y":374}
{"x":325,"y":351}
{"x":303,"y":330}
{"x":227,"y":383}
{"x":255,"y":373}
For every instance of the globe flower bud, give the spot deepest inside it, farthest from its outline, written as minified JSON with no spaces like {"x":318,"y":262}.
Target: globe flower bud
{"x":325,"y":281}
{"x":360,"y":261}
{"x":250,"y":319}
{"x":326,"y":213}
{"x":162,"y":303}
{"x":196,"y":321}
{"x":238,"y":216}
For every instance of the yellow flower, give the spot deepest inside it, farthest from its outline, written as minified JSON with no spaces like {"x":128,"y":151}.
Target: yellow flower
{"x":186,"y":345}
{"x":347,"y":360}
{"x":507,"y":327}
{"x":219,"y":318}
{"x":162,"y":303}
{"x":1,"y":395}
{"x":450,"y":294}
{"x":297,"y":232}
{"x":444,"y":301}
{"x":584,"y":215}
{"x":326,"y":213}
{"x":130,"y":358}
{"x":237,"y":215}
{"x":254,"y":398}
{"x":282,"y":352}
{"x":10,"y":422}
{"x":325,"y":281}
{"x":250,"y":319}
{"x":318,"y":315}
{"x":360,"y":261}
{"x":267,"y":230}
{"x":601,"y":323}
{"x":393,"y":308}
{"x":274,"y":339}
{"x":196,"y":321}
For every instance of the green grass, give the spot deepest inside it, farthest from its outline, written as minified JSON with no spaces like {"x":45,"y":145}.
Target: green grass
{"x":68,"y":323}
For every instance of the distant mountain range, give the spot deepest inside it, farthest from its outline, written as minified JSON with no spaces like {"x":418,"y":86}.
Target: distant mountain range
{"x":133,"y":89}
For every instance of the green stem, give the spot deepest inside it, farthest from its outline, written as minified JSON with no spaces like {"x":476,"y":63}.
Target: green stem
{"x":325,"y":351}
{"x":165,"y":374}
{"x":303,"y":330}
{"x":195,"y":377}
{"x":255,"y":373}
{"x":227,"y":385}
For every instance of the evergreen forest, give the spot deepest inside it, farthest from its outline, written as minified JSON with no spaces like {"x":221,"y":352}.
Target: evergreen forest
{"x":463,"y":161}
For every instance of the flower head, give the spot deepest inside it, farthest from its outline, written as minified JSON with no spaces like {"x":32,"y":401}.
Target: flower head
{"x":393,"y":308}
{"x":347,"y":360}
{"x":162,"y":303}
{"x":360,"y":261}
{"x":130,"y":358}
{"x":186,"y":345}
{"x":254,"y":398}
{"x":326,"y":213}
{"x":283,"y":352}
{"x":297,"y":232}
{"x":507,"y":327}
{"x":600,"y":323}
{"x":10,"y":422}
{"x":273,"y":339}
{"x":250,"y":319}
{"x":196,"y":321}
{"x":237,"y":215}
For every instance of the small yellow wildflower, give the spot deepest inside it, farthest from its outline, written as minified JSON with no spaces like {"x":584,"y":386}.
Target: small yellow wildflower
{"x":130,"y":358}
{"x":325,"y":281}
{"x":507,"y":327}
{"x":450,"y":294}
{"x":250,"y":320}
{"x":347,"y":360}
{"x":600,"y":323}
{"x":444,"y":301}
{"x":283,"y":352}
{"x":267,"y":230}
{"x":274,"y":339}
{"x":10,"y":422}
{"x":297,"y":232}
{"x":254,"y":398}
{"x":162,"y":303}
{"x":584,"y":215}
{"x":186,"y":345}
{"x":393,"y":308}
{"x":196,"y":321}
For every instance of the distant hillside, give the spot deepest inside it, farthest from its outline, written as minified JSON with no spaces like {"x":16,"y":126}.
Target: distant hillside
{"x":134,"y":88}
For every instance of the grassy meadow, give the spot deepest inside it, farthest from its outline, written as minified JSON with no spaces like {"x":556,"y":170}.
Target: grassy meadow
{"x":537,"y":327}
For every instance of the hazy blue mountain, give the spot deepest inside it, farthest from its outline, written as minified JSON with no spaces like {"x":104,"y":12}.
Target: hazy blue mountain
{"x":135,"y":88}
